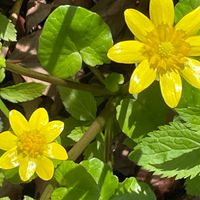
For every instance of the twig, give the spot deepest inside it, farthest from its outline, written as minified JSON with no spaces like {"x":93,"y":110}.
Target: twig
{"x":97,"y":74}
{"x":93,"y":130}
{"x":15,"y":11}
{"x":18,"y":69}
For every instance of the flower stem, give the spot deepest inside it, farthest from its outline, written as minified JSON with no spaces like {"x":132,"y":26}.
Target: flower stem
{"x":18,"y":69}
{"x":4,"y":109}
{"x":15,"y":11}
{"x":49,"y":188}
{"x":91,"y":133}
{"x":97,"y":74}
{"x":108,"y":155}
{"x":93,"y":130}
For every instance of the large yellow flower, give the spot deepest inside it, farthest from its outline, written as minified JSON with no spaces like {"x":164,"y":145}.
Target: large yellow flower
{"x":29,"y":144}
{"x":162,"y":50}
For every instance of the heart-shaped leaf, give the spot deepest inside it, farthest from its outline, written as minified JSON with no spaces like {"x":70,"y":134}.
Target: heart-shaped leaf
{"x":72,"y":35}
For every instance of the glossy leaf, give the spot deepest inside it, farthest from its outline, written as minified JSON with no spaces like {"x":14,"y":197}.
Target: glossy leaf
{"x":2,"y":68}
{"x":77,"y":133}
{"x":72,"y":35}
{"x":130,"y":189}
{"x":74,"y":177}
{"x":103,"y":176}
{"x":96,"y":148}
{"x":69,"y":133}
{"x":80,"y":104}
{"x":190,"y":96}
{"x":113,"y":80}
{"x":27,"y":198}
{"x":183,"y":7}
{"x":7,"y":29}
{"x":192,"y":186}
{"x":4,"y":198}
{"x":61,"y":193}
{"x":22,"y":92}
{"x":87,"y":180}
{"x":137,"y":117}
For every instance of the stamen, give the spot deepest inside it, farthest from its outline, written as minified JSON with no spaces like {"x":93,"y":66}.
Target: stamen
{"x":165,"y":49}
{"x":31,"y":144}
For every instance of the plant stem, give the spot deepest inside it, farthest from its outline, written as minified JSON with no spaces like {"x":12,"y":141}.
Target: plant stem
{"x":18,"y":69}
{"x":15,"y":11}
{"x":4,"y":109}
{"x":46,"y":195}
{"x":97,"y":74}
{"x":108,"y":155}
{"x":78,"y":148}
{"x":93,"y":130}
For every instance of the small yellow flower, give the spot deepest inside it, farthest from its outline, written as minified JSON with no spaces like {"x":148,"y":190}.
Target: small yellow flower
{"x":30,"y":144}
{"x":162,"y":49}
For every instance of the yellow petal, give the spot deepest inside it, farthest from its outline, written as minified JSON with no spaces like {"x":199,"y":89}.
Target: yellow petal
{"x":138,"y":23}
{"x":18,"y":122}
{"x":171,"y":88}
{"x":7,"y":140}
{"x":52,"y":130}
{"x":191,"y":72}
{"x":27,"y":168}
{"x":45,"y":168}
{"x":190,"y":23}
{"x":142,"y":77}
{"x":39,"y":118}
{"x":127,"y":52}
{"x":162,"y":12}
{"x":9,"y":159}
{"x":56,"y":151}
{"x":194,"y":43}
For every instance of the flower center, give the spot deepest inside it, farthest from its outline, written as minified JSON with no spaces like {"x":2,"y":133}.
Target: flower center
{"x":31,"y":144}
{"x":166,"y":48}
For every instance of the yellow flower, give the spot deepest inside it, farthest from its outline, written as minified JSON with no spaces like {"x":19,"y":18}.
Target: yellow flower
{"x":162,"y":49}
{"x":30,"y":144}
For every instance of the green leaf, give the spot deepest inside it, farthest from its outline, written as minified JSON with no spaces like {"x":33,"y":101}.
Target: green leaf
{"x":70,"y":125}
{"x":186,"y":165}
{"x":77,"y":133}
{"x":138,"y":117}
{"x":165,"y":144}
{"x":89,"y":180}
{"x":4,"y":198}
{"x":22,"y":92}
{"x":2,"y":74}
{"x":96,"y":148}
{"x":72,"y":35}
{"x":183,"y":7}
{"x":80,"y":104}
{"x":192,"y":186}
{"x":103,"y":176}
{"x":191,"y":116}
{"x":1,"y":178}
{"x":1,"y":125}
{"x":130,"y":189}
{"x":61,"y":193}
{"x":113,"y":80}
{"x":74,"y":177}
{"x":7,"y":29}
{"x":171,"y":151}
{"x":27,"y":198}
{"x":190,"y":96}
{"x":2,"y":68}
{"x":12,"y":175}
